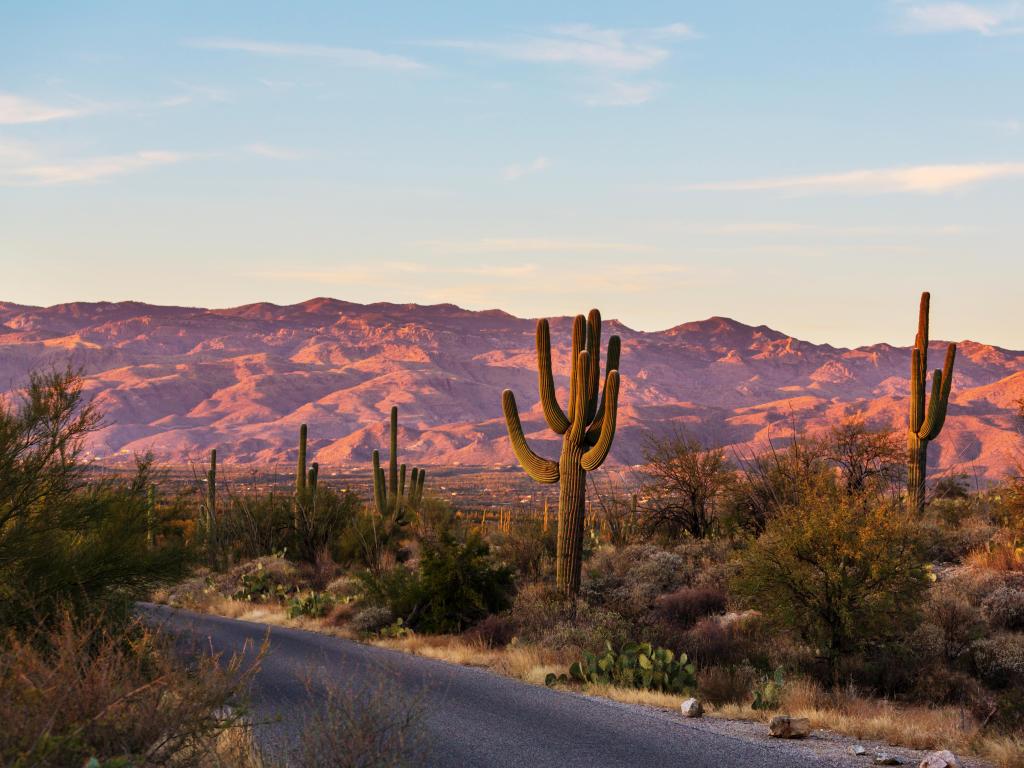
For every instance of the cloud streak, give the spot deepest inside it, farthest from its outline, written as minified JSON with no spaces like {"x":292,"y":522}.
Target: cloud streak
{"x":924,"y":179}
{"x":516,"y":172}
{"x":360,"y":58}
{"x":15,"y":110}
{"x":22,"y":166}
{"x":990,"y":21}
{"x":583,"y":45}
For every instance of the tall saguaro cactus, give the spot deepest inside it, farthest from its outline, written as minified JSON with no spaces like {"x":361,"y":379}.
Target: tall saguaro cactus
{"x":389,"y":491}
{"x":210,"y":508}
{"x":587,"y":431}
{"x":300,"y":469}
{"x":926,"y":419}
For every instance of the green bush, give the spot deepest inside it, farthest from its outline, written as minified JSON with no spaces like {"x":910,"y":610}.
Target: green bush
{"x":457,"y":584}
{"x":69,"y":541}
{"x":843,"y":571}
{"x":320,"y":520}
{"x":252,"y":525}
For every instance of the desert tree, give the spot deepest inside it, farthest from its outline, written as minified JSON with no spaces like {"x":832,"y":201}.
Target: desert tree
{"x":843,"y":571}
{"x":866,"y":456}
{"x":684,"y":482}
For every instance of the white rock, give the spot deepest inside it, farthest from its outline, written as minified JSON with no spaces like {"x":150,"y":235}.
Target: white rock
{"x":858,"y":750}
{"x":785,"y":727}
{"x":691,"y":708}
{"x":883,"y":758}
{"x":942,"y":759}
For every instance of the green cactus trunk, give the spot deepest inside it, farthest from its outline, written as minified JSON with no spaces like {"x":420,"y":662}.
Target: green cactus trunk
{"x":211,"y":508}
{"x":587,"y":433}
{"x":926,"y":416}
{"x":300,"y":468}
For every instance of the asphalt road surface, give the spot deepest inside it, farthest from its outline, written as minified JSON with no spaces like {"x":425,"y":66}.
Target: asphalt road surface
{"x":471,"y":717}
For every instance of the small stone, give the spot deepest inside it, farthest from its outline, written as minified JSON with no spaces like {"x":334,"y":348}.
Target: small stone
{"x":785,"y":727}
{"x":691,"y":708}
{"x":941,"y":759}
{"x":858,"y":750}
{"x":885,"y":759}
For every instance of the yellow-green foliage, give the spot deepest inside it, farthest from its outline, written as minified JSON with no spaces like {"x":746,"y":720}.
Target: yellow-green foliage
{"x":838,"y":569}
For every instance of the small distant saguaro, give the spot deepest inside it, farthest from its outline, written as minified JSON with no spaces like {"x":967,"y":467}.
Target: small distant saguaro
{"x":926,"y":418}
{"x":389,"y":492}
{"x":587,"y":432}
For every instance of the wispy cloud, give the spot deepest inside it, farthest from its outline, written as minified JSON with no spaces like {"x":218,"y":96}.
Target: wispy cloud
{"x":584,"y":45}
{"x":988,"y":20}
{"x":15,"y":110}
{"x":929,"y":179}
{"x":348,"y":57}
{"x":271,"y":151}
{"x":528,"y":245}
{"x":620,"y":94}
{"x":21,"y":165}
{"x":189,"y":93}
{"x":612,"y":59}
{"x":516,"y":172}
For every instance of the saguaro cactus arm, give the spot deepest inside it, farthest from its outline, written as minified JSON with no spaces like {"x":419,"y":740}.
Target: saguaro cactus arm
{"x":942,"y":383}
{"x":300,"y":468}
{"x":596,"y":455}
{"x":553,"y":413}
{"x":540,"y":469}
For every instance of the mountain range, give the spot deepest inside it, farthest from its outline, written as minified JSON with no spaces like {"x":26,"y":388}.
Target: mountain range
{"x":179,"y":381}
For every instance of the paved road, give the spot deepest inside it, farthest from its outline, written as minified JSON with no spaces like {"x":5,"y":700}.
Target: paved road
{"x":474,"y":718}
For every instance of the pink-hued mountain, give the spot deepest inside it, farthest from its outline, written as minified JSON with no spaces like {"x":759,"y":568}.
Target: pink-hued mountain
{"x":180,"y":381}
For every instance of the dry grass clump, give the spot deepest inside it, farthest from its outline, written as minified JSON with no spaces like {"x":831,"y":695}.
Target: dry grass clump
{"x":79,"y":691}
{"x":1004,"y":552}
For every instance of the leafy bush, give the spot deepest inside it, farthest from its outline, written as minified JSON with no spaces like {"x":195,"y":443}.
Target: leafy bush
{"x":842,"y":571}
{"x":999,"y":660}
{"x":635,"y":665}
{"x":590,"y":627}
{"x":457,"y":585}
{"x":527,"y":549}
{"x":67,"y":543}
{"x":1004,"y":608}
{"x":685,"y":606}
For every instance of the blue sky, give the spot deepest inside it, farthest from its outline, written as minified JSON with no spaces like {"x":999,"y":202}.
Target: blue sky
{"x":807,"y":165}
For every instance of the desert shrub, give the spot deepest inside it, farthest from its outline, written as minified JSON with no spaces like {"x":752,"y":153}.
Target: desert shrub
{"x":372,"y":541}
{"x":1005,"y":552}
{"x":320,"y":518}
{"x":377,"y":725}
{"x":712,"y":643}
{"x":1004,"y":608}
{"x":254,"y":524}
{"x":68,"y":541}
{"x":527,"y":549}
{"x":999,"y":660}
{"x":952,"y":487}
{"x":686,"y":605}
{"x":494,"y":631}
{"x":457,"y":584}
{"x":733,"y":684}
{"x":371,"y":618}
{"x":953,"y":622}
{"x":536,"y":609}
{"x":591,"y":627}
{"x":75,"y":692}
{"x":842,"y":571}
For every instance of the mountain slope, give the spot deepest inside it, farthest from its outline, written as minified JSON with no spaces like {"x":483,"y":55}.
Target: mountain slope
{"x":181,"y":380}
